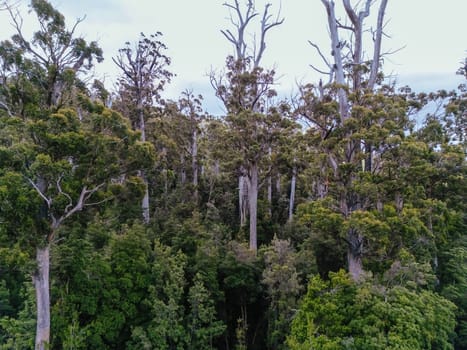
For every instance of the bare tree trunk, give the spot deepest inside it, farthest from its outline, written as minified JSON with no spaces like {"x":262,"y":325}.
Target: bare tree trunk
{"x":243,"y":192}
{"x":194,"y":163}
{"x":182,"y":170}
{"x":145,"y":200}
{"x":270,"y":195}
{"x":270,"y":185}
{"x":337,"y":54}
{"x":253,"y":205}
{"x":41,"y":286}
{"x":292,"y":192}
{"x":278,"y":185}
{"x":399,"y":200}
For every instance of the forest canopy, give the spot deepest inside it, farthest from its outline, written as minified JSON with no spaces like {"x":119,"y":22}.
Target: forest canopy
{"x":333,"y":219}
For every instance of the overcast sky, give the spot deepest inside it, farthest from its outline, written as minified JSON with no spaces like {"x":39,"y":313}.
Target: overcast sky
{"x":432,"y":32}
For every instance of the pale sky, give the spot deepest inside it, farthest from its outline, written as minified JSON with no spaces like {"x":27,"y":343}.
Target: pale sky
{"x":433,"y":32}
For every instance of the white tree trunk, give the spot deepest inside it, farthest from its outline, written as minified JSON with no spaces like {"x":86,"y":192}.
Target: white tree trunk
{"x":194,"y":163}
{"x":253,"y":205}
{"x":182,"y":170}
{"x":145,"y":200}
{"x":337,"y":54}
{"x":41,"y":286}
{"x":243,"y":191}
{"x":278,"y":185}
{"x":292,"y":193}
{"x":270,"y":185}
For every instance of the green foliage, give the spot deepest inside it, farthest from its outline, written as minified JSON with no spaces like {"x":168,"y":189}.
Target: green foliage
{"x":202,"y":324}
{"x":340,"y":314}
{"x":283,"y":288}
{"x":164,"y":304}
{"x":17,"y":332}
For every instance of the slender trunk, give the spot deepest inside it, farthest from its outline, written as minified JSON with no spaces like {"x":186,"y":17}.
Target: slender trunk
{"x":145,"y":200}
{"x":369,"y":160}
{"x":292,"y":193}
{"x":338,"y":62}
{"x":243,"y":191}
{"x":399,"y":201}
{"x":217,"y":168}
{"x":182,"y":170}
{"x":270,"y":196}
{"x":253,"y":205}
{"x":41,"y":286}
{"x":194,"y":163}
{"x":278,"y":185}
{"x":270,"y":185}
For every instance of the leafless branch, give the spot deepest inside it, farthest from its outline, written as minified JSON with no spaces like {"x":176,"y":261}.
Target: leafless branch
{"x":319,"y":70}
{"x":377,"y":45}
{"x":18,"y":26}
{"x":266,"y":25}
{"x":60,"y":191}
{"x":5,"y":107}
{"x":343,"y":26}
{"x":47,"y":200}
{"x":83,"y":198}
{"x":320,"y":54}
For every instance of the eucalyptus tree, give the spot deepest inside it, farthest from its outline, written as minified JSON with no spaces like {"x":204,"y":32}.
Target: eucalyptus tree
{"x":350,"y":121}
{"x":143,"y":77}
{"x":245,"y":90}
{"x":44,"y":72}
{"x":65,"y":159}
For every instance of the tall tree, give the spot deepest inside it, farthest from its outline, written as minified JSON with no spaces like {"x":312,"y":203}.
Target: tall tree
{"x":244,"y":93}
{"x":352,"y":77}
{"x":65,"y":160}
{"x":144,"y":75}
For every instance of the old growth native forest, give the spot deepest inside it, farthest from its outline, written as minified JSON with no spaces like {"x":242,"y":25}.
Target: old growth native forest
{"x":332,"y":219}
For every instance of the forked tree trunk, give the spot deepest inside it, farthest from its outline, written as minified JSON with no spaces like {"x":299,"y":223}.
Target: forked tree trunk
{"x":41,"y":286}
{"x":253,"y":205}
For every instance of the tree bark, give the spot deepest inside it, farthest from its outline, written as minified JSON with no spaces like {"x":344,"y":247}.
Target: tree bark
{"x":194,"y":163}
{"x":243,"y":191}
{"x":145,"y":200}
{"x":292,"y":193}
{"x":182,"y":169}
{"x":270,"y":185}
{"x":142,"y":128}
{"x":253,"y":205}
{"x":41,"y":286}
{"x":338,"y":64}
{"x":354,"y":254}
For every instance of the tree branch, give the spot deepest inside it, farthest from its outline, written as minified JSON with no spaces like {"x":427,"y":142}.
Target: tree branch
{"x":47,"y":200}
{"x":377,"y":46}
